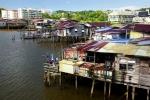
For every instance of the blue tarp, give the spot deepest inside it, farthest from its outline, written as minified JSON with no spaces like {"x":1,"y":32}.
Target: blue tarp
{"x":119,"y":40}
{"x":103,"y":29}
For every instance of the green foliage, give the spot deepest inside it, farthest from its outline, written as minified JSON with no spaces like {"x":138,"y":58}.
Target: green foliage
{"x":82,"y":16}
{"x":45,"y":15}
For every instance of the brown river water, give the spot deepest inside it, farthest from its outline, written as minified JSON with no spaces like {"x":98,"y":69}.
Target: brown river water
{"x":21,"y":74}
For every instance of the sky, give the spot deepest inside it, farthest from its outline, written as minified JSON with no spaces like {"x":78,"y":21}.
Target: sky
{"x":74,"y":5}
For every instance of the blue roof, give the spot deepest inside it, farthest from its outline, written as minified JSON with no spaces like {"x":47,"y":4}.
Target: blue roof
{"x":119,"y":40}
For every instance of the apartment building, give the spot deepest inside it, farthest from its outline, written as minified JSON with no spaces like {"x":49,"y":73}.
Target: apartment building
{"x":29,"y":13}
{"x":121,"y":16}
{"x":9,"y":14}
{"x":24,"y":13}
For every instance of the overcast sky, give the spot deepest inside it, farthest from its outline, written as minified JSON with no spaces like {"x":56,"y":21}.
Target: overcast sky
{"x":74,"y":4}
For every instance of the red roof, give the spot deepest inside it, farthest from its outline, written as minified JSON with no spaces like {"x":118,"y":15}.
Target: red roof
{"x":86,"y":45}
{"x":96,"y":45}
{"x":66,"y":24}
{"x":145,"y":28}
{"x":142,"y":28}
{"x":87,"y":65}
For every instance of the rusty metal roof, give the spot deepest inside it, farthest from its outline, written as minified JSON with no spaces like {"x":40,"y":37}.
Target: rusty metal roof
{"x":95,"y":45}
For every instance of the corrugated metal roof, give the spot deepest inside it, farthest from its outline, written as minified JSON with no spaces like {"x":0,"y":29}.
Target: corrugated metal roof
{"x":126,"y":49}
{"x":95,"y":45}
{"x":81,"y":48}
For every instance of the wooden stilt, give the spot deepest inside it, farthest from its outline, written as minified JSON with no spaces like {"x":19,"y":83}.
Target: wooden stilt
{"x":127,"y":94}
{"x":44,"y":77}
{"x":104,"y":89}
{"x":76,"y":81}
{"x":109,"y":90}
{"x":147,"y":94}
{"x":92,"y":88}
{"x":60,"y":79}
{"x":48,"y":79}
{"x":133,"y":93}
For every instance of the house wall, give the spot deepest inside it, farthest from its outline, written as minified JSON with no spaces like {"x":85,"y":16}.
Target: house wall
{"x":120,"y":18}
{"x":2,"y":24}
{"x":141,"y":20}
{"x":134,"y":35}
{"x":112,"y":18}
{"x":78,"y":30}
{"x":137,"y":72}
{"x":61,"y":32}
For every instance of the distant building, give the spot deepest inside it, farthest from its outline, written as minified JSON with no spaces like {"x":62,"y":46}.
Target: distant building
{"x":121,"y":16}
{"x":72,"y":28}
{"x":9,"y":14}
{"x":142,"y":17}
{"x":24,"y":13}
{"x":46,"y":11}
{"x":29,"y":13}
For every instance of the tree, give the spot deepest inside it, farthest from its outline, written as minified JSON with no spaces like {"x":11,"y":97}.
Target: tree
{"x":82,"y":16}
{"x":45,"y":15}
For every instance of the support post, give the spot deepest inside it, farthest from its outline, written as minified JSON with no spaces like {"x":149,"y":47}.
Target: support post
{"x":44,"y":77}
{"x":147,"y":94}
{"x":48,"y":78}
{"x":60,"y":81}
{"x":127,"y":94}
{"x":104,"y":89}
{"x":109,"y":90}
{"x":133,"y":93}
{"x":76,"y":81}
{"x":92,"y":88}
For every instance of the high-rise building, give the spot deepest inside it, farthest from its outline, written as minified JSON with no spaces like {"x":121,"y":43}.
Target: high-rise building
{"x":24,"y":13}
{"x":9,"y":14}
{"x":29,"y":13}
